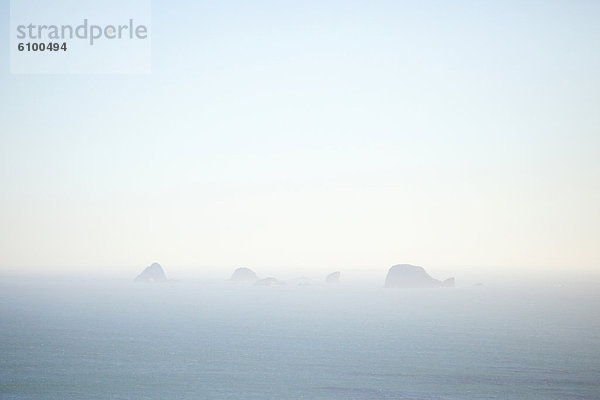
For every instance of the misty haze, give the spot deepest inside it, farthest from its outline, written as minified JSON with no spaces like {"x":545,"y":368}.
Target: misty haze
{"x":67,"y":338}
{"x":322,"y":200}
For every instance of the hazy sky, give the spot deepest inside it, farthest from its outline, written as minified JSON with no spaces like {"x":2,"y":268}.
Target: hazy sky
{"x":315,"y":135}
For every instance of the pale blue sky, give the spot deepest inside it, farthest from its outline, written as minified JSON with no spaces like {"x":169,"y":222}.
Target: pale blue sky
{"x":316,"y":135}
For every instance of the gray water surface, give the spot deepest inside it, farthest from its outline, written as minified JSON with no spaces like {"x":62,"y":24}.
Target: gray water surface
{"x":119,"y":340}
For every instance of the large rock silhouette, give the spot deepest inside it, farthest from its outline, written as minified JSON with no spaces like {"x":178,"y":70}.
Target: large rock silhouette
{"x":244,"y":275}
{"x":153,"y":273}
{"x":411,"y":276}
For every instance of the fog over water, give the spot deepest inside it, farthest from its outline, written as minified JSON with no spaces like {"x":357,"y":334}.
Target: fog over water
{"x":299,"y":139}
{"x":99,"y":339}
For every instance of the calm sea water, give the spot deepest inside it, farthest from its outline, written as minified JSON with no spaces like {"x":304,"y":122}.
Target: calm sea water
{"x":120,"y":340}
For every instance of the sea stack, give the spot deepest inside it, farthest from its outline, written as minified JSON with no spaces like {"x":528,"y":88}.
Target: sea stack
{"x":153,"y":273}
{"x":244,"y":275}
{"x":411,"y":276}
{"x":333,"y":277}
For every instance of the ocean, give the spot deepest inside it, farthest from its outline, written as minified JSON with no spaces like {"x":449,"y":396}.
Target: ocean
{"x":83,"y":339}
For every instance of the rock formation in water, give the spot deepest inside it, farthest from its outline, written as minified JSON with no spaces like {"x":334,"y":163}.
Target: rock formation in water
{"x":333,"y":277}
{"x":410,"y":276}
{"x":243,"y":275}
{"x":153,"y":273}
{"x":269,"y":282}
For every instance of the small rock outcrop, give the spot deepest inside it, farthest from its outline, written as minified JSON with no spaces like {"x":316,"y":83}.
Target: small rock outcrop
{"x":269,"y":282}
{"x":302,"y":281}
{"x":411,"y":276}
{"x":243,"y":275}
{"x":153,"y":273}
{"x":333,"y":277}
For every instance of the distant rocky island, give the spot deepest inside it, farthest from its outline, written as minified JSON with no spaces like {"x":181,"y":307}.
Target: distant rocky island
{"x":398,"y":276}
{"x":333,"y":277}
{"x":269,"y":282}
{"x":153,"y":273}
{"x":411,"y":276}
{"x":244,"y":275}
